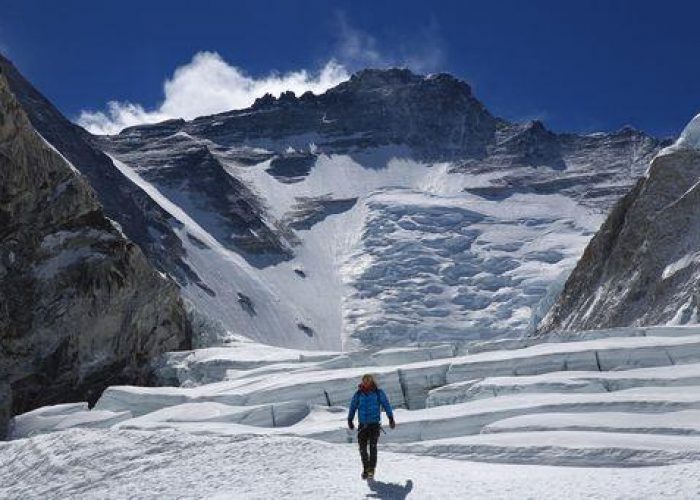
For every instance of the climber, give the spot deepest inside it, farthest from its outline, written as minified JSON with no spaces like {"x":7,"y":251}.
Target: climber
{"x":368,"y":402}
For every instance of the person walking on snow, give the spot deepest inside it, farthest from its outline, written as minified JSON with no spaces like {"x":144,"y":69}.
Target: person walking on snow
{"x":368,"y":402}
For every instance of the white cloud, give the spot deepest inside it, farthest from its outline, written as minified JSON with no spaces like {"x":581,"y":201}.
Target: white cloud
{"x":208,"y":85}
{"x":423,"y":52}
{"x":357,"y":49}
{"x":118,"y":116}
{"x":426,"y":54}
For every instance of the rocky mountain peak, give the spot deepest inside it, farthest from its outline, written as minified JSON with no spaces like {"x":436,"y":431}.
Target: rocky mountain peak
{"x":434,"y":115}
{"x":373,"y":79}
{"x":379,"y":83}
{"x":405,"y":81}
{"x":627,"y":130}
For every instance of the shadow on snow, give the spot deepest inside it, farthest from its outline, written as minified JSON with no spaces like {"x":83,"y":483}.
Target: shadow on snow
{"x":389,"y":491}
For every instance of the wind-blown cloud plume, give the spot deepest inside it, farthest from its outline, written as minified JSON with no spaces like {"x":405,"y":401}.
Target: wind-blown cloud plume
{"x":208,"y":85}
{"x":424,"y":52}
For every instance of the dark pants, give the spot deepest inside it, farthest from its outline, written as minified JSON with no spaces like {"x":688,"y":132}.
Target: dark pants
{"x":368,"y":435}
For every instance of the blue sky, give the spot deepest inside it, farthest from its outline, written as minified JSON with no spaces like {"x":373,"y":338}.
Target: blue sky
{"x":578,"y":66}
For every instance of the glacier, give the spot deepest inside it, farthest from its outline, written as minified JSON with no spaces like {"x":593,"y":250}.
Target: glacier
{"x":615,"y":416}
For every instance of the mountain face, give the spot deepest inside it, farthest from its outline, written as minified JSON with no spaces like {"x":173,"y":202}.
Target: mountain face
{"x":80,"y":306}
{"x":642,"y":267}
{"x":392,"y":209}
{"x":143,"y":220}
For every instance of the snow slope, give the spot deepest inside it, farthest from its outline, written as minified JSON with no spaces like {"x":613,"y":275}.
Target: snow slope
{"x":128,"y":464}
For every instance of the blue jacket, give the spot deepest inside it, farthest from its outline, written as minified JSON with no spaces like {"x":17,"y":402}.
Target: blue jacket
{"x":368,"y":406}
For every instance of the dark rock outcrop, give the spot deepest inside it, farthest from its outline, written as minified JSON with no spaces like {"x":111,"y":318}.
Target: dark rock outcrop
{"x":80,"y":307}
{"x":595,"y":170}
{"x":643,"y":265}
{"x":310,"y":211}
{"x":291,"y":167}
{"x":141,"y":218}
{"x":5,"y":407}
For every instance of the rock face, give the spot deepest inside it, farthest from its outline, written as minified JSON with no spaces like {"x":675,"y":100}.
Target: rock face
{"x":80,"y":307}
{"x":643,"y":266}
{"x":5,"y":407}
{"x":142,"y":219}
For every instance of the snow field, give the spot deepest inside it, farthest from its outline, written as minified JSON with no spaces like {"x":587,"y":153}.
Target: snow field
{"x":443,"y":267}
{"x":116,"y":464}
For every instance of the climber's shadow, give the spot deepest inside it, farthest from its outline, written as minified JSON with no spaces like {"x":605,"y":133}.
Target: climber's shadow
{"x":389,"y":491}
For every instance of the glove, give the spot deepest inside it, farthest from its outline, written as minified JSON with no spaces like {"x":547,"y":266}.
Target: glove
{"x":351,"y":425}
{"x":392,"y":424}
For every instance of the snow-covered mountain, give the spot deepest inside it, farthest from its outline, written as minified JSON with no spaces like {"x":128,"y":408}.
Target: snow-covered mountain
{"x":392,"y":209}
{"x":642,"y":268}
{"x":80,"y":307}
